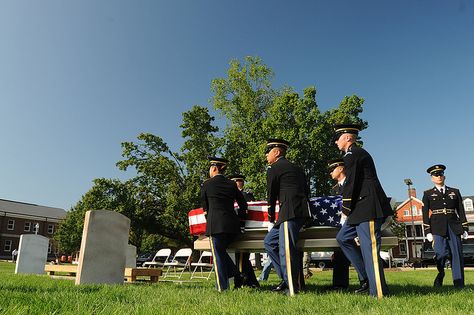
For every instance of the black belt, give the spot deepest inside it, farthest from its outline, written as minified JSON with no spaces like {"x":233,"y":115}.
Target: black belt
{"x":443,"y":211}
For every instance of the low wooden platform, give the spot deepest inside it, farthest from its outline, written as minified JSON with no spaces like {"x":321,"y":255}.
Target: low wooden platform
{"x":71,"y":270}
{"x":130,"y":274}
{"x":321,"y":238}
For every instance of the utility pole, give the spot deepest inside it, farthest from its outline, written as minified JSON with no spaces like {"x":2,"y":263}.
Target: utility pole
{"x":408,"y":182}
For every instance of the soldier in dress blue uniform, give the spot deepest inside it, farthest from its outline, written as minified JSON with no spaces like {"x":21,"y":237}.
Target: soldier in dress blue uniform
{"x":243,"y":259}
{"x":446,"y":225}
{"x":340,"y":272}
{"x":366,"y":205}
{"x":286,"y":184}
{"x":218,"y":195}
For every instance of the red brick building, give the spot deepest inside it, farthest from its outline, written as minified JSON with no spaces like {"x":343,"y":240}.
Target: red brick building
{"x":17,"y":218}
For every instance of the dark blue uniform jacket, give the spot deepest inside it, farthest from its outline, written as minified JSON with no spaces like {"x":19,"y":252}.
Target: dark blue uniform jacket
{"x":218,"y":195}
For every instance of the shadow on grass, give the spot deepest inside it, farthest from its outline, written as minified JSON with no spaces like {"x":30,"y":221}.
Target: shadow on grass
{"x":39,"y":289}
{"x":395,"y":289}
{"x":410,"y":289}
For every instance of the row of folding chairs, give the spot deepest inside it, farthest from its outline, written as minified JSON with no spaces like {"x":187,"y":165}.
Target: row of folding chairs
{"x":181,"y":261}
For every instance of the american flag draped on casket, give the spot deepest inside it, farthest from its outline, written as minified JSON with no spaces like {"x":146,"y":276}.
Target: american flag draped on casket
{"x":325,"y":211}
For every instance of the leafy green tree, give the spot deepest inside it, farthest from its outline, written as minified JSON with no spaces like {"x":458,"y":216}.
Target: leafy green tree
{"x":256,"y":112}
{"x":106,"y":194}
{"x":69,"y":232}
{"x":169,"y":182}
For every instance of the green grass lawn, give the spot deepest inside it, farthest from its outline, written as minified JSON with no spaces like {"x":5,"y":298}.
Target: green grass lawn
{"x":412,"y":293}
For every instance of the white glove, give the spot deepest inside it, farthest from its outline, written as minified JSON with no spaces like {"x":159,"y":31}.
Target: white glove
{"x":465,"y":235}
{"x":343,"y":218}
{"x":270,"y":226}
{"x":429,"y":237}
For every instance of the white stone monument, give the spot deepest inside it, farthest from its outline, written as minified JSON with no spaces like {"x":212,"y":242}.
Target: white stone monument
{"x":103,"y":248}
{"x":32,"y":254}
{"x":131,"y":259}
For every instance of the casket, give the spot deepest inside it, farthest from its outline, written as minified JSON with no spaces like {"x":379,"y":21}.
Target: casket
{"x":320,"y":236}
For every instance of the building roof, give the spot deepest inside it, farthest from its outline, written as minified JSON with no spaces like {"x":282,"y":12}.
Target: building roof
{"x":29,"y":209}
{"x":398,"y":205}
{"x":401,"y":204}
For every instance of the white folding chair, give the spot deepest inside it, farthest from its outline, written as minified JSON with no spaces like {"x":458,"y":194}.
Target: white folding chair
{"x":182,"y":259}
{"x":205,"y":261}
{"x":161,"y":257}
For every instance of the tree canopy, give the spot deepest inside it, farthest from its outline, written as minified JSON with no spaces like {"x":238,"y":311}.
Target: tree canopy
{"x":167,"y":184}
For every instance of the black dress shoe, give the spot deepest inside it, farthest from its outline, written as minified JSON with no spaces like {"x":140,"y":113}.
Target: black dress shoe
{"x":364,"y":287}
{"x":335,"y":288}
{"x":240,"y":280}
{"x":254,"y":285}
{"x":458,"y":284}
{"x":438,"y":282}
{"x":281,"y":287}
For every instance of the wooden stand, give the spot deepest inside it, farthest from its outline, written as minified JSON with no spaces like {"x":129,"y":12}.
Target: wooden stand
{"x":132,"y":273}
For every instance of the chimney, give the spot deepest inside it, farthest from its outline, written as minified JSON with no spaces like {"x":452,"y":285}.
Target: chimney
{"x":412,"y":192}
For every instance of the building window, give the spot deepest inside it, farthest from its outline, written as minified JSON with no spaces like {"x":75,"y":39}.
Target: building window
{"x":419,"y":232}
{"x":11,"y":225}
{"x":49,"y":248}
{"x":27,"y":226}
{"x":402,"y":248}
{"x":468,"y":205}
{"x":406,"y":213}
{"x":36,"y":228}
{"x":414,"y":210}
{"x":8,"y":246}
{"x":50,"y":228}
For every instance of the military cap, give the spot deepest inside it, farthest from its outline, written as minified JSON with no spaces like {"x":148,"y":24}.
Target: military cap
{"x":332,"y":164}
{"x":437,"y":169}
{"x":237,"y":177}
{"x":215,"y":161}
{"x":345,"y":128}
{"x":273,"y":143}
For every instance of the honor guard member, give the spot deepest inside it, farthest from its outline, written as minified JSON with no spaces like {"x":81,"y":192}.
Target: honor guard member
{"x":367,"y":207}
{"x":446,"y":225}
{"x":240,"y":181}
{"x":340,"y":272}
{"x":286,"y":184}
{"x":243,"y":259}
{"x":218,"y":195}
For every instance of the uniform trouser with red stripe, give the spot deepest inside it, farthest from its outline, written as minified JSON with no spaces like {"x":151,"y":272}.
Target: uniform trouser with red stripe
{"x":280,"y":244}
{"x":370,"y":238}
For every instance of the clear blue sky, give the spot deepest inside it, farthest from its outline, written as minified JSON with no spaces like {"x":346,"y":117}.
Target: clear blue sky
{"x":78,"y":78}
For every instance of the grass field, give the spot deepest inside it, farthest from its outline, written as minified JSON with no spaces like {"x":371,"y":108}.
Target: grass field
{"x":412,"y":293}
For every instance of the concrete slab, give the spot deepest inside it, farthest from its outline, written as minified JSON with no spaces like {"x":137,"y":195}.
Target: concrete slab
{"x":103,"y":248}
{"x":131,"y":256}
{"x":32,"y":254}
